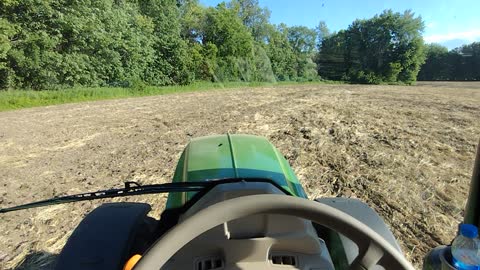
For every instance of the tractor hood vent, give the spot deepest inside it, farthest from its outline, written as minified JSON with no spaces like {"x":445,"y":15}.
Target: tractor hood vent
{"x":211,"y":263}
{"x":284,"y":260}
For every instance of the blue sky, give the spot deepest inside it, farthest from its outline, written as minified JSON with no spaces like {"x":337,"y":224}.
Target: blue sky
{"x":450,"y":23}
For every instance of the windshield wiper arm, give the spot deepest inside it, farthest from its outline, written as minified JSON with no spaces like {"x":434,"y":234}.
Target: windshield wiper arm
{"x":130,"y":189}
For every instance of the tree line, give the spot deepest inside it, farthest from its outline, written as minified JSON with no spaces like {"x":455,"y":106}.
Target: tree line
{"x":459,"y":64}
{"x":56,"y":43}
{"x":52,"y":44}
{"x":384,"y":49}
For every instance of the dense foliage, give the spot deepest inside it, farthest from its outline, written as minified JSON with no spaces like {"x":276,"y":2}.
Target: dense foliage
{"x":386,"y":48}
{"x":459,"y":64}
{"x":51,"y":44}
{"x":48,"y":44}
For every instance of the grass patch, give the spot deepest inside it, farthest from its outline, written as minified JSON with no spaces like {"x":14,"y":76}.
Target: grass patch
{"x":18,"y":99}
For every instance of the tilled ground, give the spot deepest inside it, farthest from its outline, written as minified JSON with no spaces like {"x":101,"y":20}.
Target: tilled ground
{"x":406,"y":151}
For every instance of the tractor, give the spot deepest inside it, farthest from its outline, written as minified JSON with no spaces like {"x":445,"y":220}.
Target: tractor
{"x":235,"y":203}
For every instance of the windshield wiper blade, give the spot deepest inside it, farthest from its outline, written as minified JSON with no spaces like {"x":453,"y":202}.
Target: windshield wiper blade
{"x":130,"y":189}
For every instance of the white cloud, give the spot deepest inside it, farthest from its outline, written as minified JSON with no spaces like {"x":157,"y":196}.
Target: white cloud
{"x":431,"y":25}
{"x":471,"y":35}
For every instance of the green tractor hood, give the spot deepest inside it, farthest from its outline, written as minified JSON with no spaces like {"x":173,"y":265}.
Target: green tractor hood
{"x":231,"y":157}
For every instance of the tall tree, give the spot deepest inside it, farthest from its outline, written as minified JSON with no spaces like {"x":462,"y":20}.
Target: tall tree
{"x":435,"y":66}
{"x":471,"y":60}
{"x":385,"y":48}
{"x":234,"y":42}
{"x":303,"y":42}
{"x":171,"y":61}
{"x":281,"y":53}
{"x":7,"y":31}
{"x":460,"y":64}
{"x":254,"y":17}
{"x":332,"y":58}
{"x":302,"y":39}
{"x":192,"y":19}
{"x":322,"y":32}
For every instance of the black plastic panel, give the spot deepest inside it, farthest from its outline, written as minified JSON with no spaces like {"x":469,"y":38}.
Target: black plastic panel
{"x":104,"y":238}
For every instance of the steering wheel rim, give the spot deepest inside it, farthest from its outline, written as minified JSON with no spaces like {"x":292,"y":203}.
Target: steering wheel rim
{"x":373,"y":248}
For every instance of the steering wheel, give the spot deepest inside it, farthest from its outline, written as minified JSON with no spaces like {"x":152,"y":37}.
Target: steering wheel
{"x":373,"y":248}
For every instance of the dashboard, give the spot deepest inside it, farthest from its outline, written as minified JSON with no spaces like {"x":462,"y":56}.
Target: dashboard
{"x":266,"y":241}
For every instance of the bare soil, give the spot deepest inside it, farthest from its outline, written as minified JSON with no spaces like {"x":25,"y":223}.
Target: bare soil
{"x":406,"y":151}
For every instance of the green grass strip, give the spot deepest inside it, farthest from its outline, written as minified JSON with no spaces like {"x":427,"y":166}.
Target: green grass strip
{"x":18,"y":99}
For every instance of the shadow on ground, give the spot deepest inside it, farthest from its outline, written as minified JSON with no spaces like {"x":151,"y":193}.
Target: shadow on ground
{"x":38,"y":260}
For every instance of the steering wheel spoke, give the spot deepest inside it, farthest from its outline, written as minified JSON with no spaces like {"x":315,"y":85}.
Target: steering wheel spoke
{"x":369,"y":256}
{"x":373,"y":248}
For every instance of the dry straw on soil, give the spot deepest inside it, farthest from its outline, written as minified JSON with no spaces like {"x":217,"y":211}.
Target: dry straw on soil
{"x":406,"y":151}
